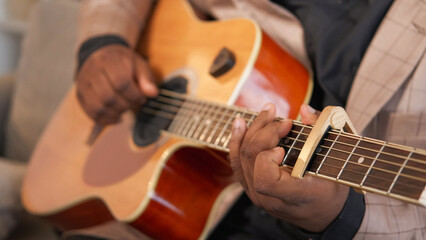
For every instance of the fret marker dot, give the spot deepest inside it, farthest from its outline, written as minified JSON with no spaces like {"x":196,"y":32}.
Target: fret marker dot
{"x":361,"y":159}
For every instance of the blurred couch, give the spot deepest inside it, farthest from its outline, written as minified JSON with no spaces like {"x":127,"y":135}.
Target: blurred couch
{"x":28,"y":98}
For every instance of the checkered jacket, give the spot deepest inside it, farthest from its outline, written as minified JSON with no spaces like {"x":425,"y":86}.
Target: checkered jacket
{"x":387,"y":99}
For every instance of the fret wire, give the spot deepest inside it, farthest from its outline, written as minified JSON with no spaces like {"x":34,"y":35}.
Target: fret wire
{"x":345,"y":151}
{"x":207,"y":123}
{"x":230,"y":134}
{"x":371,"y":166}
{"x":362,"y":165}
{"x":400,"y":171}
{"x":197,"y":120}
{"x":360,"y":155}
{"x":189,"y":109}
{"x":347,"y":159}
{"x":324,"y":173}
{"x":174,"y":126}
{"x":219,"y":138}
{"x":356,"y":137}
{"x":210,"y":138}
{"x":328,"y":152}
{"x":250,"y":121}
{"x":184,"y":117}
{"x":292,"y":145}
{"x":348,"y":179}
{"x":194,"y":118}
{"x":206,"y":131}
{"x":365,"y":139}
{"x":182,"y":96}
{"x":360,"y":147}
{"x":189,"y":98}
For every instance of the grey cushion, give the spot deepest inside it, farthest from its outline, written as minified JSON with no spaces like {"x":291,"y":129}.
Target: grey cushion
{"x":45,"y":73}
{"x":6,"y":87}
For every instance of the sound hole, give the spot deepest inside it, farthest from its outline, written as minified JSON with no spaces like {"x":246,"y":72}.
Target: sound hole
{"x":148,"y":124}
{"x":112,"y":159}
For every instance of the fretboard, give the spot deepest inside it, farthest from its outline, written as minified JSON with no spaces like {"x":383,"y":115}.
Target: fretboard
{"x":364,"y":163}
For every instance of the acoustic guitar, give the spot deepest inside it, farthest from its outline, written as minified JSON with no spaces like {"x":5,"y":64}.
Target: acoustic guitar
{"x":164,"y":170}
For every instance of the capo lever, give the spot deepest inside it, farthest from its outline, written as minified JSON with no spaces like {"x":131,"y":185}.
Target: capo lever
{"x":331,"y":116}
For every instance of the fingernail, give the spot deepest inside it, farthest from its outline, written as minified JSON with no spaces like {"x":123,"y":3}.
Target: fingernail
{"x":311,"y":109}
{"x":236,"y":125}
{"x":267,"y":106}
{"x":277,"y":149}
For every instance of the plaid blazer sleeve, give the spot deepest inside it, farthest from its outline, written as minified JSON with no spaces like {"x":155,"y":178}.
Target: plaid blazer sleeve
{"x":124,"y":18}
{"x":386,"y":218}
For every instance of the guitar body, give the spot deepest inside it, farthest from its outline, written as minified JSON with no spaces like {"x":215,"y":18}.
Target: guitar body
{"x":170,"y":188}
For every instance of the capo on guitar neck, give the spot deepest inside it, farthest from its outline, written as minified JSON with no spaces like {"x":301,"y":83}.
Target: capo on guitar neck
{"x":331,"y":117}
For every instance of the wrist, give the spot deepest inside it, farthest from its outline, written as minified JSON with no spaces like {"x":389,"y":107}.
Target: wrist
{"x":91,"y":45}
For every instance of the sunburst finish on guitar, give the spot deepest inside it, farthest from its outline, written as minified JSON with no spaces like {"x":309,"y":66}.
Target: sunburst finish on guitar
{"x":170,"y":188}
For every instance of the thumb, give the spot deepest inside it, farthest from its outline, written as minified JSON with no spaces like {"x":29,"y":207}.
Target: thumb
{"x":308,"y":114}
{"x":268,"y":172}
{"x":145,"y":77}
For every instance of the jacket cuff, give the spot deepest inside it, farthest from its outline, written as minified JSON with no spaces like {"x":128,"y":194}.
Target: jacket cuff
{"x":346,"y":225}
{"x":91,"y":45}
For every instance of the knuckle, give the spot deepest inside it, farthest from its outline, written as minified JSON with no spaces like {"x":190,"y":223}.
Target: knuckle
{"x":109,"y":100}
{"x":235,"y":166}
{"x":246,"y":152}
{"x":260,"y":186}
{"x":98,"y":112}
{"x":122,"y":85}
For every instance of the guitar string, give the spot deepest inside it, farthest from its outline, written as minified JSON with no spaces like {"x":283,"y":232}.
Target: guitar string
{"x":340,"y":159}
{"x":330,"y":174}
{"x":350,"y":153}
{"x":361,"y":165}
{"x":368,"y":149}
{"x":323,"y":173}
{"x":354,"y":180}
{"x":360,"y":147}
{"x":354,"y":137}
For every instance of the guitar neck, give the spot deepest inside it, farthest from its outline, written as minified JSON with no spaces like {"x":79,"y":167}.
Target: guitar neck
{"x":364,"y":163}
